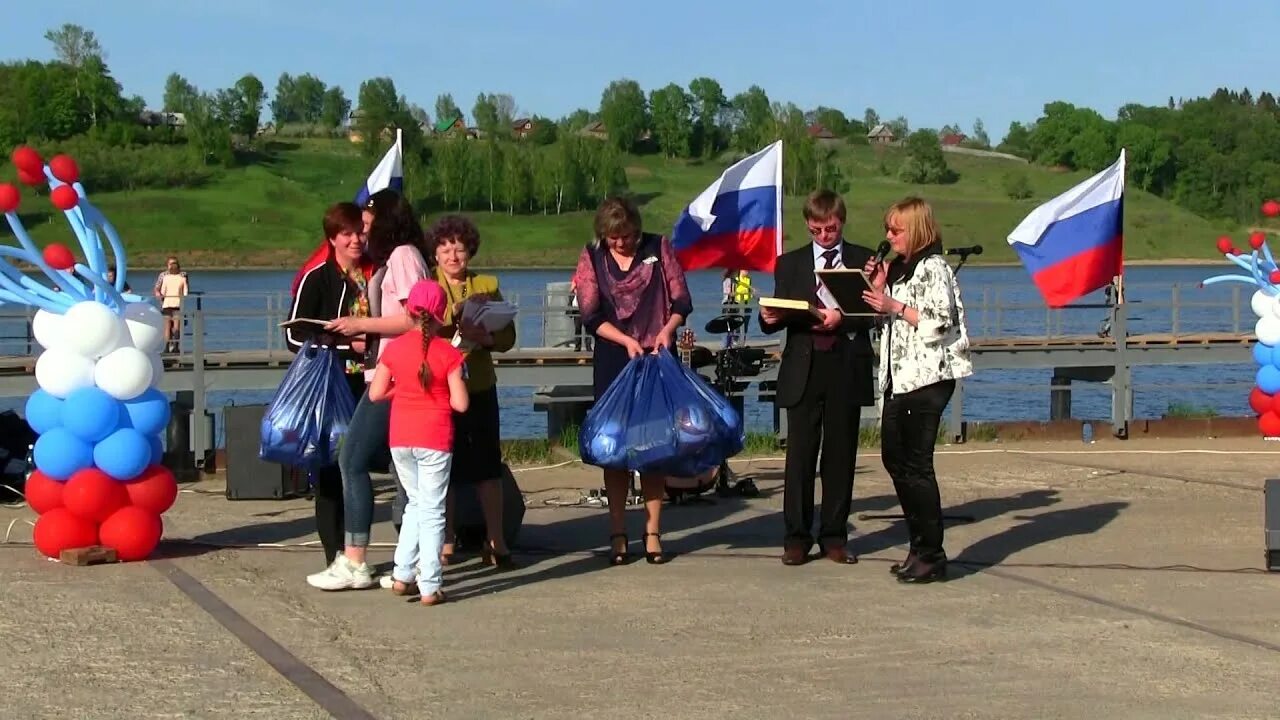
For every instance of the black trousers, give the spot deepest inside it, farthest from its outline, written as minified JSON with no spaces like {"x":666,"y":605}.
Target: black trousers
{"x":908,"y":431}
{"x":826,"y":417}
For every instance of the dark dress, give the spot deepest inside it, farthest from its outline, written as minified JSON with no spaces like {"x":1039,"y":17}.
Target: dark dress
{"x":665,"y":294}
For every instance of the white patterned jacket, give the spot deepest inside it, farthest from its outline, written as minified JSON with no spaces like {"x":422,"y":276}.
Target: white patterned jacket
{"x":937,"y":348}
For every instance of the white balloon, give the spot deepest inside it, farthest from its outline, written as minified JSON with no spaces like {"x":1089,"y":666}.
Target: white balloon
{"x":1261,"y":303}
{"x":61,"y":372}
{"x":146,"y":326}
{"x":1268,"y":330}
{"x":91,"y":329}
{"x":125,"y":374}
{"x":47,"y":328}
{"x":1275,"y":306}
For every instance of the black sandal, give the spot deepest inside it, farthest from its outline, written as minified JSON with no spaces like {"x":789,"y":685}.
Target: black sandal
{"x":618,"y":557}
{"x":655,"y":558}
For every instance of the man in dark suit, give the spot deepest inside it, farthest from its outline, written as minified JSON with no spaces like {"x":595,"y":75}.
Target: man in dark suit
{"x":823,"y":382}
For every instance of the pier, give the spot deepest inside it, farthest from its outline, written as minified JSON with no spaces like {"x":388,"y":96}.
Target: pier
{"x":232,"y":341}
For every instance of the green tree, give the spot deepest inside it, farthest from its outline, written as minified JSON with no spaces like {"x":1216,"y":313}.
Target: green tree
{"x":1017,"y":185}
{"x":979,"y":137}
{"x":545,"y":131}
{"x":1017,"y":141}
{"x":709,"y":103}
{"x":334,"y":107}
{"x":831,"y":119}
{"x":925,"y":163}
{"x":485,"y":114}
{"x":446,"y":108}
{"x":900,"y":127}
{"x":179,"y":94}
{"x":517,"y":180}
{"x":378,"y":108}
{"x":672,"y":112}
{"x":752,"y":118}
{"x":252,"y":95}
{"x":622,"y":109}
{"x":75,"y":47}
{"x":575,"y":121}
{"x":870,"y":118}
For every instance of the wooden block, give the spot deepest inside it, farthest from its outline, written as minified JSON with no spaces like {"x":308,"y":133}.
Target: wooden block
{"x":92,"y":555}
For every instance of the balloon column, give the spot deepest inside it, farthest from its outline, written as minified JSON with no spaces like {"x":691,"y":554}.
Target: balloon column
{"x":1265,"y":275}
{"x":98,"y":412}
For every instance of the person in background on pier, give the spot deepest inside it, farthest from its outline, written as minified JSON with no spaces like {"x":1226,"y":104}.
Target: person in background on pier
{"x":633,"y":296}
{"x":395,"y":248}
{"x":420,"y":374}
{"x":452,"y":242}
{"x":171,"y":287}
{"x":924,"y":349}
{"x":333,"y":288}
{"x":823,"y":381}
{"x":111,"y":280}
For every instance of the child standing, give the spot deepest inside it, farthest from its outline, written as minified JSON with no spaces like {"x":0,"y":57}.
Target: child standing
{"x":422,"y":376}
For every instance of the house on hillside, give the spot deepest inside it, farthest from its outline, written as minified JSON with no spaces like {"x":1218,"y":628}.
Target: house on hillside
{"x":453,"y":127}
{"x":522,"y":127}
{"x":819,"y":132}
{"x":353,"y":128}
{"x":161,"y":118}
{"x":881,"y":135}
{"x":595,"y":129}
{"x":952,"y":139}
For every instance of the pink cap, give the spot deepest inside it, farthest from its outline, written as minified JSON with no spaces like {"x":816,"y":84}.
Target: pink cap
{"x":426,"y":296}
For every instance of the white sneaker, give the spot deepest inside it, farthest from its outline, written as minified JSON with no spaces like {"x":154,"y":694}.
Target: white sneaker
{"x":343,"y":575}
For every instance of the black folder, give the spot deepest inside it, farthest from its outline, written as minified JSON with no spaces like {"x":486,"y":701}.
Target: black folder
{"x":846,"y":286}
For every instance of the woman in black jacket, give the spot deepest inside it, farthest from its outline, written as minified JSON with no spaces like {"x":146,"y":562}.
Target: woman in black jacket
{"x":331,"y":284}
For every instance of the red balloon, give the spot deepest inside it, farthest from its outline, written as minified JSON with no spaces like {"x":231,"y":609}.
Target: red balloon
{"x":132,"y":532}
{"x":64,"y":168}
{"x":32,"y":179}
{"x":1271,"y":208}
{"x":93,"y":495}
{"x":1224,"y":245}
{"x":1275,"y":276}
{"x":1260,"y":401}
{"x":43,"y":493}
{"x":1269,"y":424}
{"x":60,"y":529}
{"x":154,"y":490}
{"x":9,"y":197}
{"x":59,"y":256}
{"x":1257,"y":240}
{"x":64,"y":197}
{"x":27,"y":160}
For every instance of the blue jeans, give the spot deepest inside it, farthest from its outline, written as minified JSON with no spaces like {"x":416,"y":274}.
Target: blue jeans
{"x":366,"y":438}
{"x":424,"y":475}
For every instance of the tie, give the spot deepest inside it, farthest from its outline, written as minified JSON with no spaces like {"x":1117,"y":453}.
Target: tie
{"x":826,"y":341}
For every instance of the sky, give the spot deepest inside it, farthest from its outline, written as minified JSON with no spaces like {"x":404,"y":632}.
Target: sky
{"x":935,"y":62}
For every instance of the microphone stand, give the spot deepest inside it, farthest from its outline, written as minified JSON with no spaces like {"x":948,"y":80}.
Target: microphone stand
{"x":964,"y":255}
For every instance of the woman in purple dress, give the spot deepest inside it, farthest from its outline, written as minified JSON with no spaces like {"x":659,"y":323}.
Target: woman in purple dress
{"x":632,"y":295}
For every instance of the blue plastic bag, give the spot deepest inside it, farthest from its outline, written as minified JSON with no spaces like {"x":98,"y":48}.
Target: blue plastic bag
{"x":659,"y":416}
{"x":310,"y":411}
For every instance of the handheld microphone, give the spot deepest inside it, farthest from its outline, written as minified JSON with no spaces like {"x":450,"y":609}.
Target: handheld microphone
{"x":881,"y":251}
{"x":963,"y":251}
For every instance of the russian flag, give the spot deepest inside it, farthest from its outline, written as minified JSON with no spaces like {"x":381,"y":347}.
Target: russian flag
{"x":736,"y":223}
{"x":389,"y":173}
{"x":1074,"y":244}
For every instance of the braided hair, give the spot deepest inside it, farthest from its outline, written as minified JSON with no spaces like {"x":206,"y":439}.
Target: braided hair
{"x":428,"y":325}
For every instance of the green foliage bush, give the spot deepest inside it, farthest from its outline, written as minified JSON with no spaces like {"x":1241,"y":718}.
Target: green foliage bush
{"x":1017,"y":185}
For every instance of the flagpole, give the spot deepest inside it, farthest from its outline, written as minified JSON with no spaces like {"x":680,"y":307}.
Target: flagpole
{"x":1124,"y":170}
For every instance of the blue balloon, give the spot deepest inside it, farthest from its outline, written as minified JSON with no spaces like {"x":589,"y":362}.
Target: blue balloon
{"x":148,"y":413}
{"x":123,"y":454}
{"x":693,"y":427}
{"x":91,"y":414}
{"x":1263,"y":353}
{"x":608,"y":446}
{"x":44,"y":412}
{"x":60,"y":454}
{"x":1269,"y":379}
{"x":157,"y":450}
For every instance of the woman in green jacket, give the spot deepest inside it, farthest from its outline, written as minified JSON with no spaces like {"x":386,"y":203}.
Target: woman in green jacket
{"x":477,"y":451}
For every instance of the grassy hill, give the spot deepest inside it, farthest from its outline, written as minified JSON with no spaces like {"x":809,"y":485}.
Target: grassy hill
{"x":267,"y":213}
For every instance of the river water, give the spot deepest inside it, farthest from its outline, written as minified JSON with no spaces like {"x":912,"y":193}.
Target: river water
{"x":1000,"y":302}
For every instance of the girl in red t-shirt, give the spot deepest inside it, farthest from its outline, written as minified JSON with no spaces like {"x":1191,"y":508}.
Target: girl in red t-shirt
{"x":422,"y":375}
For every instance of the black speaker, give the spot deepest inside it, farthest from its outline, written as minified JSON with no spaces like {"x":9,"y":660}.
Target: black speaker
{"x":1271,"y":501}
{"x":248,"y":476}
{"x":468,"y":519}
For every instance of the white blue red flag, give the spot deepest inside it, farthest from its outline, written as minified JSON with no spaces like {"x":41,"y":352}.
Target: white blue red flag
{"x":1074,"y":244}
{"x":388,"y":174}
{"x":736,"y":223}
